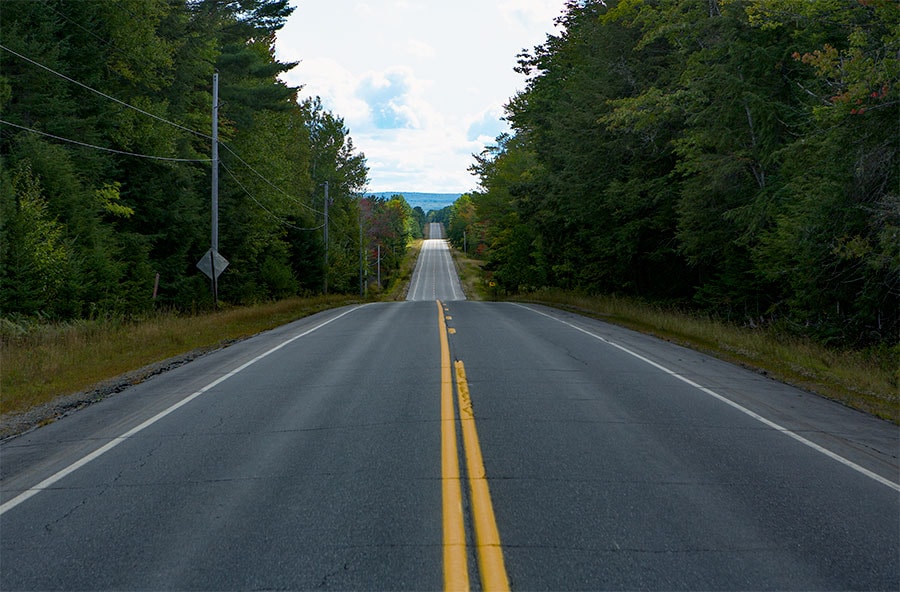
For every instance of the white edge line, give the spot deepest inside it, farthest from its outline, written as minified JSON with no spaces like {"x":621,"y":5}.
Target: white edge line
{"x":418,"y":271}
{"x":728,"y":401}
{"x":51,"y":480}
{"x":448,"y":265}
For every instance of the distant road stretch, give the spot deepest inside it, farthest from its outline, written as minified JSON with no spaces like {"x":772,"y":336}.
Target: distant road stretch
{"x":434,"y":277}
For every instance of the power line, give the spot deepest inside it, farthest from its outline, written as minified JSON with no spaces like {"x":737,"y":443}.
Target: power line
{"x":34,"y":131}
{"x":83,"y":28}
{"x":102,"y":94}
{"x":261,"y":176}
{"x":264,"y":208}
{"x":157,"y":117}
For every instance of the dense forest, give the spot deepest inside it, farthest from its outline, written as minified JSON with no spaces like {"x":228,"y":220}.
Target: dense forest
{"x":105,"y":163}
{"x":733,"y":156}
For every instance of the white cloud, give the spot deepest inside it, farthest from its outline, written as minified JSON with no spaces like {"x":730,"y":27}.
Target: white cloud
{"x":363,"y":10}
{"x":485,"y":127}
{"x":419,"y":49}
{"x":529,"y":14}
{"x":336,"y":85}
{"x":419,"y":84}
{"x":394,"y":97}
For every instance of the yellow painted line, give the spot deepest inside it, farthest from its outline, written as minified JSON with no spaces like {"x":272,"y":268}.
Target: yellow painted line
{"x":456,"y":567}
{"x":487,"y":537}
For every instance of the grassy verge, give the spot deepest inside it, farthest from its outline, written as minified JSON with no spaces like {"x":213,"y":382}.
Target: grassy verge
{"x":400,"y":283}
{"x":471,"y":276}
{"x":865,"y":380}
{"x":43,"y":361}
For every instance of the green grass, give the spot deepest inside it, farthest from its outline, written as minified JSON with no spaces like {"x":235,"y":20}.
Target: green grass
{"x":867,"y":380}
{"x":40,"y":361}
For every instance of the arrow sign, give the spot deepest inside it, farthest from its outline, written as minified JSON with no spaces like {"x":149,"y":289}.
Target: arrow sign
{"x":212,"y":259}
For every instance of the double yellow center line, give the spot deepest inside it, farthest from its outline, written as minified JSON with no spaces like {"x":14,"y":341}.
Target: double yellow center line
{"x":487,"y":537}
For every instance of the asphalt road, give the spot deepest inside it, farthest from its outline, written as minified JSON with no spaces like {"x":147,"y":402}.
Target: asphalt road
{"x":435,"y":230}
{"x":321,"y":455}
{"x":434,"y":277}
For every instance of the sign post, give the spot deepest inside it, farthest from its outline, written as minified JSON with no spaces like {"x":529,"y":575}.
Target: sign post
{"x":213,"y":264}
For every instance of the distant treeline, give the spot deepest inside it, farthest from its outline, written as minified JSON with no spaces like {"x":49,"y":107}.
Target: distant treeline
{"x":736,"y":156}
{"x":105,"y":173}
{"x":427,"y":201}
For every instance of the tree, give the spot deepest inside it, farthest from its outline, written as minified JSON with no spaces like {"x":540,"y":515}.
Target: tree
{"x":738,"y":156}
{"x":36,"y":261}
{"x":334,"y":159}
{"x":130,"y":82}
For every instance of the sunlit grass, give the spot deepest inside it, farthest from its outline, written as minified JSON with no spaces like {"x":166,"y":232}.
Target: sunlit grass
{"x":471,"y":277}
{"x":867,"y":380}
{"x":40,"y":361}
{"x":400,"y":282}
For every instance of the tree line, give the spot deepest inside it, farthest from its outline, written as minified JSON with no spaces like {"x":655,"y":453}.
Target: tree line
{"x":105,"y":147}
{"x":735,"y":156}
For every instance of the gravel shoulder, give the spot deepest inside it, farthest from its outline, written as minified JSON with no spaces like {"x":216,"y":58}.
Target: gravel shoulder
{"x":16,"y":424}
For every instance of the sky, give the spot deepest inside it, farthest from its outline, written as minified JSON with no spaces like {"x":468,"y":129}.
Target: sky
{"x":420,"y":84}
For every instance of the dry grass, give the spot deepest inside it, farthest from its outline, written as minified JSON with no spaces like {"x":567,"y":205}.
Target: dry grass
{"x":471,"y":276}
{"x":865,"y":380}
{"x":400,"y":283}
{"x":39,"y":362}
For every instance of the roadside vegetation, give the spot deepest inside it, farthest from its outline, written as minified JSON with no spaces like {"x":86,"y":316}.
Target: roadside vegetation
{"x":399,"y":285}
{"x":471,"y":276}
{"x":735,"y":159}
{"x":105,"y":204}
{"x":867,"y":380}
{"x":719,"y":174}
{"x":41,"y":361}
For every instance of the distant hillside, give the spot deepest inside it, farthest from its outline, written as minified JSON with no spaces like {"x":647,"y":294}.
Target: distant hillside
{"x":426,"y":201}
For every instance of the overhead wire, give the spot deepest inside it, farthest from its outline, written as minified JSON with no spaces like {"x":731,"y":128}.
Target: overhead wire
{"x":164,"y":120}
{"x":103,"y":94}
{"x":276,"y":187}
{"x":280,"y":220}
{"x":85,"y":144}
{"x":130,"y":56}
{"x":264,"y":208}
{"x":82,"y":27}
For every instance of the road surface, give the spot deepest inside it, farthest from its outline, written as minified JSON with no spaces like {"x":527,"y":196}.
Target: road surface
{"x":435,"y":277}
{"x":427,"y":445}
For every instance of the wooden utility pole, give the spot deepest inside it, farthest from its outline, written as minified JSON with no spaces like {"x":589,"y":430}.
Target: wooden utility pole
{"x":326,"y":237}
{"x":214,"y":240}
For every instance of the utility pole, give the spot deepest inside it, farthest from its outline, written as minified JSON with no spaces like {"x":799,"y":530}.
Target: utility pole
{"x":212,"y":263}
{"x":379,"y":266}
{"x":360,"y":249}
{"x":215,"y":189}
{"x":326,"y":237}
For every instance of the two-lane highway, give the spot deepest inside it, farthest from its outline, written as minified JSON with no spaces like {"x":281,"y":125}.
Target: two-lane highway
{"x":427,"y":445}
{"x":435,"y":277}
